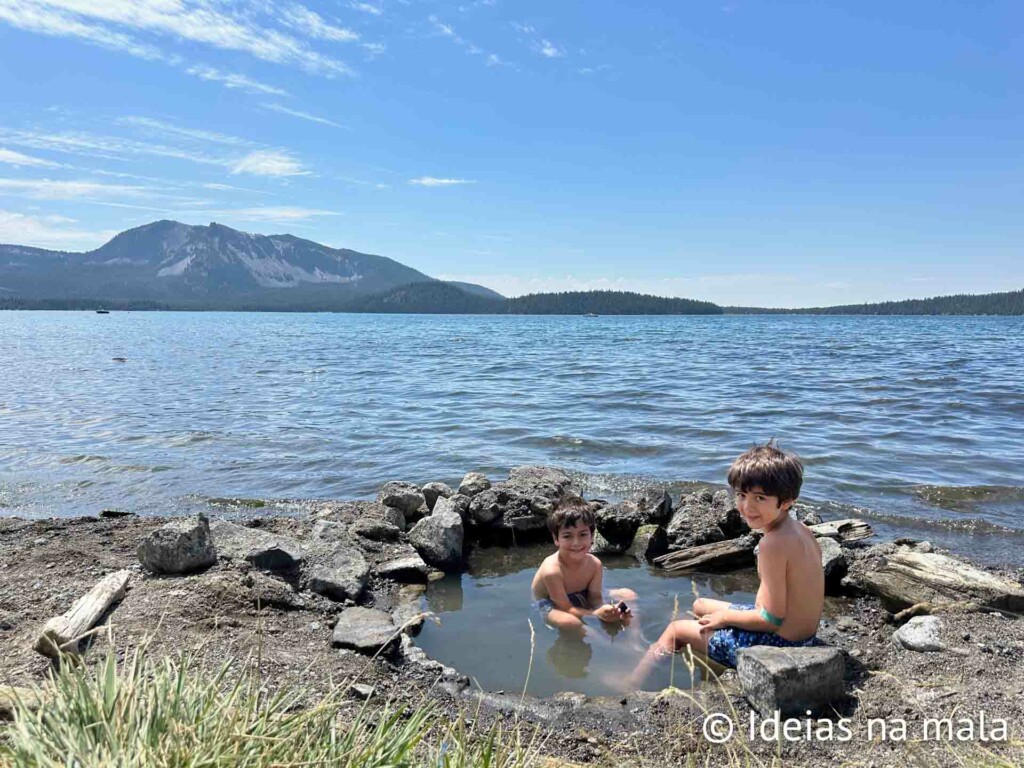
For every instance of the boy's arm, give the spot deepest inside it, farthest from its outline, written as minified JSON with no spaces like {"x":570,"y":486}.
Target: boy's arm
{"x":770,"y":611}
{"x":557,"y":595}
{"x":595,"y":593}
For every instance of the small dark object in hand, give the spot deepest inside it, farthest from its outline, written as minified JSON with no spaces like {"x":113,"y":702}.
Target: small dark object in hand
{"x":623,"y":608}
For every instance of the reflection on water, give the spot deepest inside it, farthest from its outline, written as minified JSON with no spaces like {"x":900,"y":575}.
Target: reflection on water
{"x":486,"y":614}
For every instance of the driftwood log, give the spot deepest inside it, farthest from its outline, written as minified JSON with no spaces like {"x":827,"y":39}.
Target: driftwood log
{"x":63,"y":633}
{"x":10,"y":697}
{"x":738,"y":553}
{"x":848,"y":530}
{"x":732,"y":553}
{"x":907,"y":578}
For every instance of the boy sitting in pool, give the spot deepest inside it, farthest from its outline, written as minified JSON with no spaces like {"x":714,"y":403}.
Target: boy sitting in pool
{"x":766,"y":482}
{"x":567,"y":586}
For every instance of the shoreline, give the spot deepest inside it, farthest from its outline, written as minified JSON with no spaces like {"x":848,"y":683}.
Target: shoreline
{"x":232,"y":608}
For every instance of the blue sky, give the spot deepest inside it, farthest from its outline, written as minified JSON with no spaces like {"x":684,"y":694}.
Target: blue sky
{"x":782,"y":154}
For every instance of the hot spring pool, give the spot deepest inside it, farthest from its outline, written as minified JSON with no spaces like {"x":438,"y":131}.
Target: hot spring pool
{"x":484,"y":615}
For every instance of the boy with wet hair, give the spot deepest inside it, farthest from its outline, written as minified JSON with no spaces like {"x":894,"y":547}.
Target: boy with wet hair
{"x":766,"y":481}
{"x":567,"y":586}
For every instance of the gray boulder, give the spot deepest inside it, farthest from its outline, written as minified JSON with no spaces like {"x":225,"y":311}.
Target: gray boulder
{"x":650,"y":542}
{"x":655,"y":505}
{"x":330,"y":532}
{"x":438,"y":539}
{"x":920,"y":634}
{"x":522,"y":503}
{"x":601,"y":546}
{"x":434,"y":491}
{"x":474,"y":483}
{"x":790,"y":680}
{"x":395,"y":517}
{"x":181,"y":546}
{"x":705,"y":517}
{"x":833,"y":561}
{"x":404,"y":497}
{"x":376,"y":530}
{"x":341,"y":577}
{"x":618,"y":523}
{"x":264,"y":550}
{"x":458,"y":504}
{"x":407,"y":570}
{"x":366,"y":630}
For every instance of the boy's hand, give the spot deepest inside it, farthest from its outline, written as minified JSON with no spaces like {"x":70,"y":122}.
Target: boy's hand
{"x":712,"y":622}
{"x":608,"y":614}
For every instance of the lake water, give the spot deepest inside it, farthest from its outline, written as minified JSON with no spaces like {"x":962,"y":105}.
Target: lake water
{"x":915,"y":423}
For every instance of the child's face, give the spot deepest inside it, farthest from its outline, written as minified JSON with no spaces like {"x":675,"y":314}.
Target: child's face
{"x":759,"y":509}
{"x":574,"y":541}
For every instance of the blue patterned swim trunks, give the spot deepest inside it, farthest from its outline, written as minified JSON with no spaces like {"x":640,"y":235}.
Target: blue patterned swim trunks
{"x":724,"y":643}
{"x":579,"y":599}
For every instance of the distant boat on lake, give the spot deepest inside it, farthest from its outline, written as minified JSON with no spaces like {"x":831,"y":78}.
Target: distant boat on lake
{"x":102,"y":311}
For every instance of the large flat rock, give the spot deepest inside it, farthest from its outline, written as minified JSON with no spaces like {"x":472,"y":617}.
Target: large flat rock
{"x":265,"y":550}
{"x":366,"y":630}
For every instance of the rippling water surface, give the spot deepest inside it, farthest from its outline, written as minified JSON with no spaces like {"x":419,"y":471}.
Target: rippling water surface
{"x":917,"y":423}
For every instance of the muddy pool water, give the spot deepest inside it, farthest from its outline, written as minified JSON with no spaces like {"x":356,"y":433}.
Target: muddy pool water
{"x":482,"y":624}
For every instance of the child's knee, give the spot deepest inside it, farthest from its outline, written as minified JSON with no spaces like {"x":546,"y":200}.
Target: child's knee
{"x":563,"y":620}
{"x":701,"y":606}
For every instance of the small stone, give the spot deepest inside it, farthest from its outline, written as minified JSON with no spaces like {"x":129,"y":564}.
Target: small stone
{"x":314,"y":626}
{"x":920,"y":634}
{"x":40,"y":540}
{"x":362,"y":691}
{"x":376,"y":530}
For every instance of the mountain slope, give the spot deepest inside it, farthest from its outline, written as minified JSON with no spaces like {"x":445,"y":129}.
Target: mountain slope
{"x":203,"y":267}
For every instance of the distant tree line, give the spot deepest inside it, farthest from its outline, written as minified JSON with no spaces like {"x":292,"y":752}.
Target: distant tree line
{"x":1008,"y":303}
{"x":437,"y":297}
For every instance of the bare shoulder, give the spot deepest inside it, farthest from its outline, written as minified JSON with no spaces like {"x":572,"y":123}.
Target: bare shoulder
{"x":594,"y":561}
{"x":550,"y":566}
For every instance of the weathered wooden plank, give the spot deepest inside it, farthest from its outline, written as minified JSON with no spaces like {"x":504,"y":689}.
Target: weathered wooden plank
{"x":62,"y":633}
{"x":907,"y":578}
{"x":732,"y":553}
{"x":850,"y":529}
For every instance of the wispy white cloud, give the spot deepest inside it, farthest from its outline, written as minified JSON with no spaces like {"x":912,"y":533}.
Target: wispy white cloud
{"x":525,"y":29}
{"x":432,"y":181}
{"x":373,"y":10}
{"x":262,"y":161}
{"x":593,"y":70}
{"x":548,"y":49}
{"x":217,"y":187}
{"x":447,"y":30}
{"x":49,"y":232}
{"x":233,"y":80}
{"x":35,"y":16}
{"x":192,"y":21}
{"x":108,"y":147}
{"x":10,"y":157}
{"x":374,"y":49}
{"x":269,"y":162}
{"x":53,"y":189}
{"x":312,"y":24}
{"x":269,"y":213}
{"x":301,"y":115}
{"x":159,"y":127}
